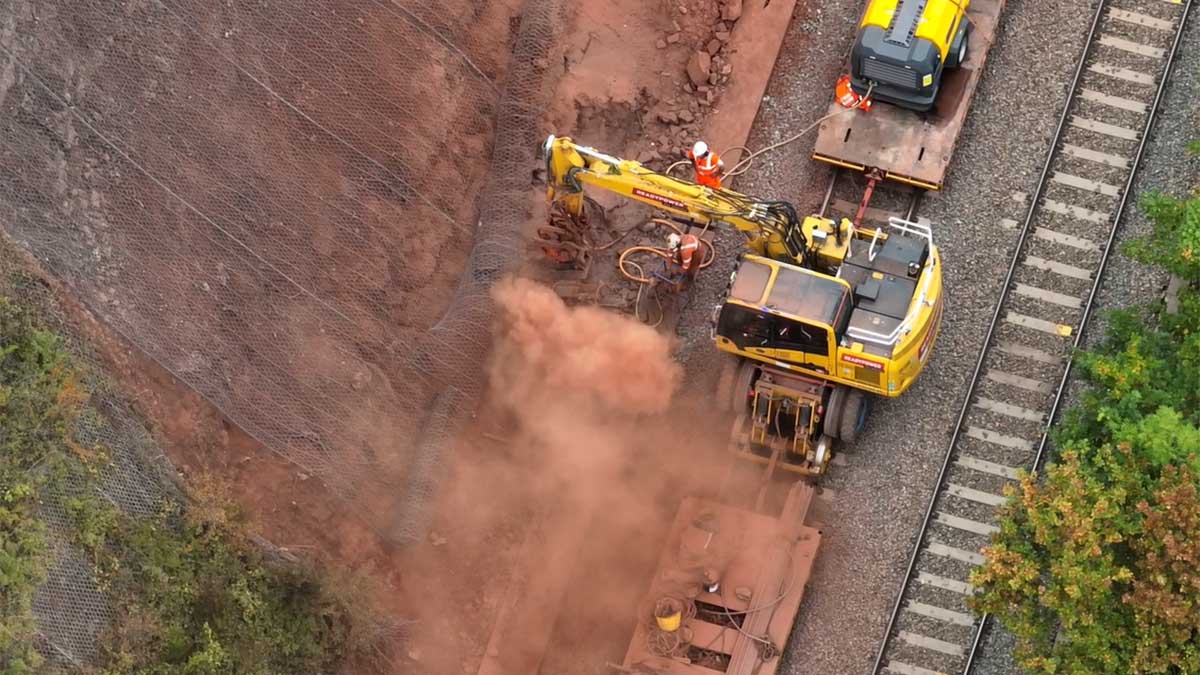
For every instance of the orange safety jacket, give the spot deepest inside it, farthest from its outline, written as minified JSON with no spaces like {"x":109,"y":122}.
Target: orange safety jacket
{"x":688,"y":245}
{"x":708,"y":168}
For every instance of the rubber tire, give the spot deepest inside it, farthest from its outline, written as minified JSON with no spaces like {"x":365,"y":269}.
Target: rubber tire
{"x":747,"y":373}
{"x":833,"y":411}
{"x":729,"y":370}
{"x":854,"y":416}
{"x":957,"y":58}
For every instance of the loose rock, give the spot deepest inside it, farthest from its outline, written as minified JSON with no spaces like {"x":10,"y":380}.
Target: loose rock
{"x":732,"y":10}
{"x":714,"y":46}
{"x":660,"y":44}
{"x":698,"y":68}
{"x":647,"y":156}
{"x":673,"y":38}
{"x":668,"y":117}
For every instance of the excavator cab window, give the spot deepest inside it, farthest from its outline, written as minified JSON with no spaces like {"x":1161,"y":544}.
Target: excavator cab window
{"x":801,"y":337}
{"x":810,"y":296}
{"x":755,"y":329}
{"x":744,"y":326}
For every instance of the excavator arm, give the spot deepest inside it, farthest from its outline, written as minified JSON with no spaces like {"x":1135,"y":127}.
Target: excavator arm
{"x":772,"y":228}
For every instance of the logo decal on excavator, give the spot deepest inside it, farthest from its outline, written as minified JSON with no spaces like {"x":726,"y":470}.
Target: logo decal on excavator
{"x":865,"y":363}
{"x":665,"y":201}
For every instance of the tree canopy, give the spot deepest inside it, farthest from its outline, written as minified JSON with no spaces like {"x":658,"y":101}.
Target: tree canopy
{"x":1096,"y":568}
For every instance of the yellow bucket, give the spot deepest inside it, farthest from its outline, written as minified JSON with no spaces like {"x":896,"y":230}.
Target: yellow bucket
{"x":668,"y":612}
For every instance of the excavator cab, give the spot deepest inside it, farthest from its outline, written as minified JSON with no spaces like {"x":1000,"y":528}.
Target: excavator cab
{"x":816,"y":343}
{"x":786,"y":313}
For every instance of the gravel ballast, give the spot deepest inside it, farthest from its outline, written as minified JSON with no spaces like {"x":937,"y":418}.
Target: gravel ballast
{"x":880,"y":493}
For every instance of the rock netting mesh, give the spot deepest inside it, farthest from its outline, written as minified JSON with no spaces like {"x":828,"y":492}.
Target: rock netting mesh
{"x":296,"y":207}
{"x":72,"y":611}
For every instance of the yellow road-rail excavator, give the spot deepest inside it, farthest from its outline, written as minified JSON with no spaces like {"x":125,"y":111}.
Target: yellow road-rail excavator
{"x":822,"y":315}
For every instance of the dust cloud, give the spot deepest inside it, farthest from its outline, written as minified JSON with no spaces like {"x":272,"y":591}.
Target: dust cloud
{"x":592,"y":360}
{"x":591,"y":396}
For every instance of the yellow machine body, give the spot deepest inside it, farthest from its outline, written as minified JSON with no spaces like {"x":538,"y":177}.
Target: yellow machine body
{"x":939,"y":19}
{"x":818,"y":334}
{"x":821,"y":312}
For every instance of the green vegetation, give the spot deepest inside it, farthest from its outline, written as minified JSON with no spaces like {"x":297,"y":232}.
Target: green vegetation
{"x":195,"y":596}
{"x":1096,"y":568}
{"x":38,"y":400}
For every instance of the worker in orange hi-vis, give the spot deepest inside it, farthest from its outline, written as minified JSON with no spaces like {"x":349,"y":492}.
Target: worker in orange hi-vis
{"x":708,"y":165}
{"x":684,"y":254}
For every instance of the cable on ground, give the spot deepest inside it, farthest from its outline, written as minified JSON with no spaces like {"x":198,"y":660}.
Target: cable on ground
{"x":641,"y":277}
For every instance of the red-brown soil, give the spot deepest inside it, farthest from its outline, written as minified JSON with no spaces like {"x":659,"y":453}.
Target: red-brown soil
{"x":624,"y":88}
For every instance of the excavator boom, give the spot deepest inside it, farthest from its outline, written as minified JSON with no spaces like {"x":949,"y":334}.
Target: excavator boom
{"x":772,"y":228}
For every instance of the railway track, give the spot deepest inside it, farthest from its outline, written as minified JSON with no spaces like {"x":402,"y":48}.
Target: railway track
{"x":1022,"y":371}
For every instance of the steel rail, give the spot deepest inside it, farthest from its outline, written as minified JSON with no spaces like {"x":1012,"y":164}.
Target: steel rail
{"x":973,"y":384}
{"x":1136,"y":163}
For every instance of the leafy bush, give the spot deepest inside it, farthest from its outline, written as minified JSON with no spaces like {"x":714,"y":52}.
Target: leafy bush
{"x":1174,"y":243}
{"x":195,"y":595}
{"x":39,"y":398}
{"x":1096,"y":568}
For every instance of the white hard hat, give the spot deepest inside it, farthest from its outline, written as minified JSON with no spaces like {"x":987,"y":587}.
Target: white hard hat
{"x":700,"y":149}
{"x":673,"y":241}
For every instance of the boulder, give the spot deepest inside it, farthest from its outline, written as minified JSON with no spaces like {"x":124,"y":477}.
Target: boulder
{"x":698,"y":68}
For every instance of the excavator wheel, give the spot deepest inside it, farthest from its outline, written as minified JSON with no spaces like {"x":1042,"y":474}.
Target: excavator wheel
{"x":743,"y":383}
{"x":833,"y":411}
{"x":853,"y":416}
